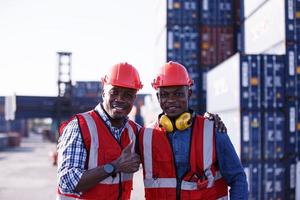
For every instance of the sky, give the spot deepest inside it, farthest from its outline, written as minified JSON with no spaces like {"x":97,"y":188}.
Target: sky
{"x":99,"y":33}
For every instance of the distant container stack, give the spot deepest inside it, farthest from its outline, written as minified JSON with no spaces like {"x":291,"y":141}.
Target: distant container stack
{"x":86,"y":89}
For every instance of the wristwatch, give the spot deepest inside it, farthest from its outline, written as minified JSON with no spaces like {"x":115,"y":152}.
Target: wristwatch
{"x":109,"y":168}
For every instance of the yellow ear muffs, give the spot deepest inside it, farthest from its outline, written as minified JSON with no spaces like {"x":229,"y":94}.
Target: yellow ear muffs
{"x":165,"y":122}
{"x":183,"y":121}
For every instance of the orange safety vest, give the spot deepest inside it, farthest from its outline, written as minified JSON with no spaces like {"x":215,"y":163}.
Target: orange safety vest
{"x":103,"y":148}
{"x":202,"y":181}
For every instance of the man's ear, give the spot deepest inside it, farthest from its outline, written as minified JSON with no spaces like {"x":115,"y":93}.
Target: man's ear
{"x":102,"y":93}
{"x":190,"y":92}
{"x":157,"y":96}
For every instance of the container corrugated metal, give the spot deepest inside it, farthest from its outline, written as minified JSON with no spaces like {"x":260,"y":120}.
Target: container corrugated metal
{"x":273,"y":180}
{"x":254,"y":176}
{"x":290,"y":14}
{"x":251,"y":135}
{"x":268,"y":20}
{"x":273,"y":81}
{"x":216,"y":12}
{"x":273,"y":135}
{"x":182,"y":45}
{"x":208,"y":45}
{"x":225,"y":42}
{"x":250,"y":81}
{"x":216,"y":44}
{"x":291,"y":74}
{"x":292,"y":136}
{"x":180,"y":12}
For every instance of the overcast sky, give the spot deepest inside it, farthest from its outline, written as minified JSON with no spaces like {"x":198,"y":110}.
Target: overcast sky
{"x":99,"y":33}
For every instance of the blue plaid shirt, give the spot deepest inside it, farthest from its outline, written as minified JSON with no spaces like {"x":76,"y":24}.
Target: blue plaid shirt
{"x":72,"y":152}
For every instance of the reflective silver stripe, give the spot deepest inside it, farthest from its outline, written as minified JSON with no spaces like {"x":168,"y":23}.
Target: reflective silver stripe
{"x":131,"y":136}
{"x":171,"y":183}
{"x":63,"y":197}
{"x":160,"y":183}
{"x":223,"y":198}
{"x":207,"y":143}
{"x":147,"y":143}
{"x":93,"y":156}
{"x":116,"y":179}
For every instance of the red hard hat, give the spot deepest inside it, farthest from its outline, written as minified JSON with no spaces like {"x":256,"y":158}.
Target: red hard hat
{"x":172,"y":74}
{"x":123,"y":75}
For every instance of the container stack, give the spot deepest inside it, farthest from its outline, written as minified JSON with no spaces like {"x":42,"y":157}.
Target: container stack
{"x":200,"y":34}
{"x":183,"y":40}
{"x":255,"y":110}
{"x":86,"y":89}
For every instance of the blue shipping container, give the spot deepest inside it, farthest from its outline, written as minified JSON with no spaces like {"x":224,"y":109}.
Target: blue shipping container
{"x":216,"y":12}
{"x":250,"y":81}
{"x":254,"y":176}
{"x":273,"y":135}
{"x":273,"y":81}
{"x":293,"y":70}
{"x":180,"y":12}
{"x":290,"y":14}
{"x":183,"y":45}
{"x":251,"y":133}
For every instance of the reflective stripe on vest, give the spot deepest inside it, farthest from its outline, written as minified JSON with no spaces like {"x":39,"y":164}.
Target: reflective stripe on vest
{"x":171,"y":183}
{"x":63,"y":197}
{"x":208,"y":151}
{"x":208,"y":144}
{"x":93,"y":156}
{"x":223,"y":198}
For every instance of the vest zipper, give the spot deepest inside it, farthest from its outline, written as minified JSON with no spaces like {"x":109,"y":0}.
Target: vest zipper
{"x":178,"y":180}
{"x":120,"y":187}
{"x":178,"y":188}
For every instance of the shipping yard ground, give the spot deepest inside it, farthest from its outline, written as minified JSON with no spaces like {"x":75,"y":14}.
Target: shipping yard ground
{"x":28,"y":174}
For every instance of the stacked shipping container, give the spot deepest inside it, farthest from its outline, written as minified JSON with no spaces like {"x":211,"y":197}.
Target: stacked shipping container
{"x":252,"y":91}
{"x":200,"y":34}
{"x":183,"y":40}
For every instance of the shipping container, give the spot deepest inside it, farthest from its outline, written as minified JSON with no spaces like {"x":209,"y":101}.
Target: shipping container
{"x":290,"y":14}
{"x":217,"y":44}
{"x":86,"y":89}
{"x":182,"y":12}
{"x":293,"y":70}
{"x":268,"y":20}
{"x":216,"y":12}
{"x":254,"y":177}
{"x":250,"y":74}
{"x":273,"y":135}
{"x":273,"y":81}
{"x":182,"y":45}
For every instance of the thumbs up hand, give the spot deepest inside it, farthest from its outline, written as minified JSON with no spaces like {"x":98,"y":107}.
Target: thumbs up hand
{"x":128,"y":162}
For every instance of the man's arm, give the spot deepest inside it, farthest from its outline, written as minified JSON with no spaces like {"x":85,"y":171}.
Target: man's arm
{"x":231,"y":167}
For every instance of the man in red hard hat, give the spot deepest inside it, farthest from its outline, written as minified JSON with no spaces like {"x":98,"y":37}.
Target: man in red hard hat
{"x":96,"y":150}
{"x":183,"y":155}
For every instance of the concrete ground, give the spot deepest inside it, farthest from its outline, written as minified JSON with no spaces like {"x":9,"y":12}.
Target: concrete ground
{"x":27,"y":172}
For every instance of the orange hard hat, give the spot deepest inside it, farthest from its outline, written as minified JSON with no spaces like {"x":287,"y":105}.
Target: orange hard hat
{"x":172,"y":74}
{"x":123,"y":75}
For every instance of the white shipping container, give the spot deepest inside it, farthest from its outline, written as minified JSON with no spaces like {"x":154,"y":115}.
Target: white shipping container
{"x":265,"y":29}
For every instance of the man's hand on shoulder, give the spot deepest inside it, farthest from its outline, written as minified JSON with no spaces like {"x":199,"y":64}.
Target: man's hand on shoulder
{"x":219,"y":124}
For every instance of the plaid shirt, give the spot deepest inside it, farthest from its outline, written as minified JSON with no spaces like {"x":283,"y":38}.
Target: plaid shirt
{"x":72,"y":152}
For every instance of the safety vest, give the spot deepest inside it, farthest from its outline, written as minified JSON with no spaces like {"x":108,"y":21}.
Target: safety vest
{"x":103,"y":148}
{"x":202,"y":181}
